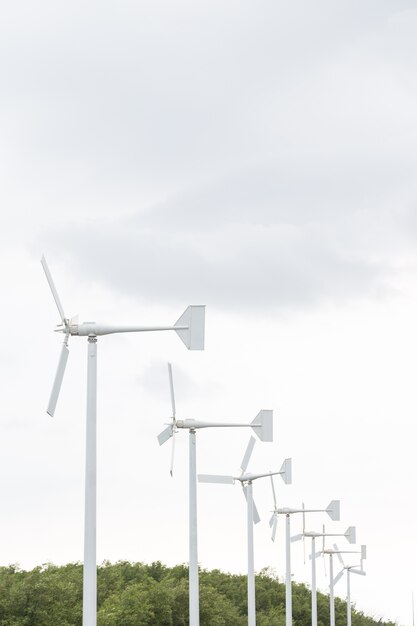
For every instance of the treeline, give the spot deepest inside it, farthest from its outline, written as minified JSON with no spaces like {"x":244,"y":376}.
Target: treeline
{"x":134,"y":594}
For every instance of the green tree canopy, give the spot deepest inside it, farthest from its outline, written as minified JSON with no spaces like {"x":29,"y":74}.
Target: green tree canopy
{"x":135,"y":594}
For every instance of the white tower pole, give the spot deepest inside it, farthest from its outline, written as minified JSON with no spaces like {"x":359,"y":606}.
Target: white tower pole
{"x":90,"y":564}
{"x":349,"y":614}
{"x":313,"y":583}
{"x":288,"y":590}
{"x":331,"y":587}
{"x":251,"y":563}
{"x":193,"y":566}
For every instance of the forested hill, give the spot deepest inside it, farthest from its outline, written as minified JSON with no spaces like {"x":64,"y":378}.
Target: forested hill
{"x":134,"y":594}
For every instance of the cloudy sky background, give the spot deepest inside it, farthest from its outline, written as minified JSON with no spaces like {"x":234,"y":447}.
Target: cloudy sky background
{"x":258,"y":158}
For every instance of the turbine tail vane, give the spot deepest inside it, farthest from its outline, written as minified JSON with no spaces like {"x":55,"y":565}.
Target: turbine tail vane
{"x":286,"y":471}
{"x":333,"y":510}
{"x":262,"y":425}
{"x":350,"y":534}
{"x":190,"y":327}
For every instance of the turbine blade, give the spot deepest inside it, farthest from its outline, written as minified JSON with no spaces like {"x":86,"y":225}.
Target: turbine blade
{"x":171,"y":386}
{"x":271,"y":521}
{"x":358,"y":571}
{"x":273,"y":492}
{"x":246,"y":458}
{"x":215,"y":478}
{"x":54,"y":291}
{"x":274,"y":528}
{"x":339,"y":556}
{"x":297,"y":537}
{"x":338,"y":576}
{"x":255,"y":514}
{"x":171,"y":470}
{"x":256,"y":517}
{"x":165,"y":435}
{"x":58,"y":379}
{"x":363,"y":552}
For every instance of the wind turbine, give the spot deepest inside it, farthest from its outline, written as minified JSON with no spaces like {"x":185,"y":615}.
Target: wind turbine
{"x":349,"y":534}
{"x":349,"y":569}
{"x":190,"y":328}
{"x":246,"y":479}
{"x":262,"y":425}
{"x":332,"y":510}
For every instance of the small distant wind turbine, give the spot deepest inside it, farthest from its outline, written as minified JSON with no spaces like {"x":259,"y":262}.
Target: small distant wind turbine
{"x":262,"y":425}
{"x":246,"y":479}
{"x":190,"y":328}
{"x":331,"y":552}
{"x":354,"y":569}
{"x":349,"y":534}
{"x":332,"y":510}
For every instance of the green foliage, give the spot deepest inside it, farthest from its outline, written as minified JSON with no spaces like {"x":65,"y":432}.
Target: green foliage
{"x":135,"y":594}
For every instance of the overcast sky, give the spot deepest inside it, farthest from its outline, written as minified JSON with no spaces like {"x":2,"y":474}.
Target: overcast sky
{"x":259,"y":158}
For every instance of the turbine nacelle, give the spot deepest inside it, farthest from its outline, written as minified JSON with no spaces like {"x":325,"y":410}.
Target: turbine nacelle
{"x":191,"y":333}
{"x":349,"y":534}
{"x":332,"y":510}
{"x":285,"y":472}
{"x":261,"y":425}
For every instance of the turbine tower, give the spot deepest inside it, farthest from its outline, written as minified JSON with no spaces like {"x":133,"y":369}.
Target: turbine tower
{"x":262,"y":425}
{"x":246,"y":479}
{"x":190,"y":328}
{"x":332,"y":510}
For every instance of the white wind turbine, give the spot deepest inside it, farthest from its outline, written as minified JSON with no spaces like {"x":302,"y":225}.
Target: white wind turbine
{"x":190,"y":328}
{"x":262,"y":425}
{"x":246,"y":479}
{"x":349,"y":534}
{"x":332,"y":510}
{"x":354,"y":569}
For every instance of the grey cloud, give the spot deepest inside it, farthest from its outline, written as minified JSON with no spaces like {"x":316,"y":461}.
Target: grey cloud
{"x":147,"y":90}
{"x":232,"y":250}
{"x":270,"y":134}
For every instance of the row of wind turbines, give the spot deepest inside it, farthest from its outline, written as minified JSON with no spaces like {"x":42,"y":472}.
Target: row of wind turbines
{"x":190,"y":328}
{"x":262,"y":425}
